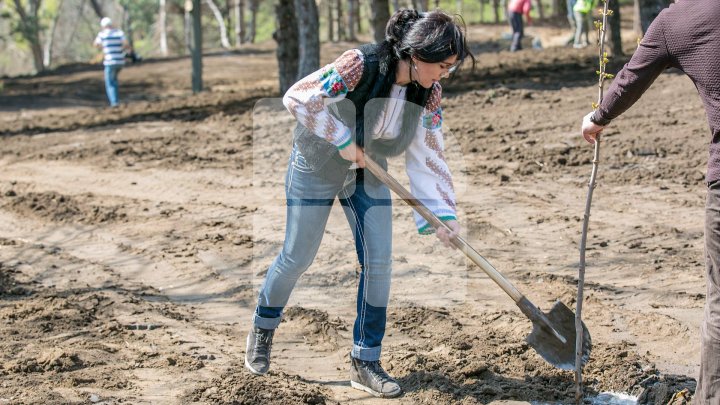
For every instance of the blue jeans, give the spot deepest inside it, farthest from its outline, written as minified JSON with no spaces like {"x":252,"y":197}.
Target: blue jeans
{"x":111,"y":83}
{"x":368,"y":208}
{"x":516,"y":22}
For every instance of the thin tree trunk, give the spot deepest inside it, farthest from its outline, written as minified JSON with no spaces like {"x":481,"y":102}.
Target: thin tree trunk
{"x":50,"y":37}
{"x":30,"y":30}
{"x":558,"y":8}
{"x":286,"y":37}
{"x":358,"y":17}
{"x":351,"y":21}
{"x":97,"y":9}
{"x":340,"y":23}
{"x":127,"y":26}
{"x":483,"y":3}
{"x":239,"y":22}
{"x":254,"y":5}
{"x":458,"y":6}
{"x":645,"y":13}
{"x":308,"y":38}
{"x":188,"y":28}
{"x":221,"y":23}
{"x":197,"y":83}
{"x":330,"y":22}
{"x":615,"y":41}
{"x":162,"y":23}
{"x":496,"y":10}
{"x":396,"y":5}
{"x":380,"y":14}
{"x":541,"y":12}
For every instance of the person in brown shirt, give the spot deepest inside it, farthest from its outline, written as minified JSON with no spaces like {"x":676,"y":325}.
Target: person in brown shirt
{"x":685,"y":36}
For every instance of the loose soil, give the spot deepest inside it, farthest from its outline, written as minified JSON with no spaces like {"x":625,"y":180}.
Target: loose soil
{"x":133,"y":240}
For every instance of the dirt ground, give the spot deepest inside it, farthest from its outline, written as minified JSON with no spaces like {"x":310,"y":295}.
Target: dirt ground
{"x":133,"y":240}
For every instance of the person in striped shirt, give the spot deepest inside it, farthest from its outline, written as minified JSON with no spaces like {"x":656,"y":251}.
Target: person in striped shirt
{"x":113,"y":44}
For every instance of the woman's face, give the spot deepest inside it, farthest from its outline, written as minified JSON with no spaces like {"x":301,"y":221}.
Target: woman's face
{"x":427,"y":73}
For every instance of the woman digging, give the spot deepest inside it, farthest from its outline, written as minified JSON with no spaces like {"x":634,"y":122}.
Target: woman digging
{"x":382,"y":100}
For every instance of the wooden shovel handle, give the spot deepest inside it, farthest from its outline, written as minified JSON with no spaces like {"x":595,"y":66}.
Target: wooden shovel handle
{"x":434,"y":221}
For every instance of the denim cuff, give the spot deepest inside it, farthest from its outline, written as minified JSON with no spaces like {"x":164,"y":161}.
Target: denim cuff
{"x":366,"y":353}
{"x":266,"y":323}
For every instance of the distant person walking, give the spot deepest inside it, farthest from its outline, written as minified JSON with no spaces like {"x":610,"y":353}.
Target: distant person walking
{"x":516,"y":10}
{"x":113,"y":44}
{"x":685,"y":36}
{"x":583,"y":14}
{"x":571,"y":20}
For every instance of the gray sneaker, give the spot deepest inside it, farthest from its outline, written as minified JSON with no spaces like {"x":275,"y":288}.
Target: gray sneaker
{"x":257,"y":351}
{"x":369,"y":376}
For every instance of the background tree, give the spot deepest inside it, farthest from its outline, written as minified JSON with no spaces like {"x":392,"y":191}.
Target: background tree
{"x":286,"y":36}
{"x":239,"y":22}
{"x":308,"y":37}
{"x":351,"y":15}
{"x":380,"y":14}
{"x":197,"y":47}
{"x":224,"y":42}
{"x":614,"y":39}
{"x":162,"y":27}
{"x":252,"y":25}
{"x":645,"y":13}
{"x":28,"y":27}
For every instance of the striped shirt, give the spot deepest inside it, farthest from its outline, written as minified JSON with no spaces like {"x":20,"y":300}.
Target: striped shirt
{"x":112,"y":45}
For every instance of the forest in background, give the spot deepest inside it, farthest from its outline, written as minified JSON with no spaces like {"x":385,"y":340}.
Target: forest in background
{"x":37,"y":35}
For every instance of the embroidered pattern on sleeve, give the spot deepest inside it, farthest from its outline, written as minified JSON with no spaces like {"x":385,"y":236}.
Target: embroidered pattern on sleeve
{"x":440,"y":172}
{"x":350,"y":67}
{"x":432,"y":143}
{"x":445,"y":196}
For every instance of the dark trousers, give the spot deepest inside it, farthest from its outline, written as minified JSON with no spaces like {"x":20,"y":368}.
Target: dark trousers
{"x":516,"y":22}
{"x":708,"y":388}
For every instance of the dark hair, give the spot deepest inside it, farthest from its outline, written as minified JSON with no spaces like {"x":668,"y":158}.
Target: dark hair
{"x":430,"y":37}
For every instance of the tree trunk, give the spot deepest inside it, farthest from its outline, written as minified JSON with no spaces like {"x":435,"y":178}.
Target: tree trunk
{"x":254,"y":5}
{"x":351,"y":21}
{"x":482,"y":10}
{"x":29,"y":28}
{"x":458,"y":6}
{"x":239,"y":22}
{"x":308,"y":38}
{"x":197,"y":83}
{"x":541,"y":12}
{"x":558,"y":8}
{"x":496,"y":10}
{"x":614,"y":39}
{"x":188,"y":29}
{"x":224,"y":42}
{"x":380,"y":14}
{"x":330,"y":23}
{"x":286,"y":37}
{"x":162,"y":26}
{"x":340,"y":24}
{"x":127,"y":26}
{"x":396,"y":5}
{"x":97,"y":9}
{"x":50,"y":37}
{"x":645,"y":13}
{"x":358,"y":17}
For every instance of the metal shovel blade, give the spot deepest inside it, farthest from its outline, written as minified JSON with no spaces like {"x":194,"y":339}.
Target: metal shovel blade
{"x":548,"y":329}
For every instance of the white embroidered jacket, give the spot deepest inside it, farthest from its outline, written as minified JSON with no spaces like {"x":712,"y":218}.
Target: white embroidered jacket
{"x":430,"y":179}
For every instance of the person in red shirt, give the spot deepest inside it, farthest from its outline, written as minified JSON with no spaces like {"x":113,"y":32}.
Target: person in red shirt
{"x":516,"y":9}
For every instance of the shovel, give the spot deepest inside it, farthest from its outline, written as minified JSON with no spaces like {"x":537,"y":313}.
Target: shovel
{"x":553,"y":334}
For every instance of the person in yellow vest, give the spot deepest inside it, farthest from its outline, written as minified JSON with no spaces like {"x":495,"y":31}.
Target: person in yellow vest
{"x":583,"y":15}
